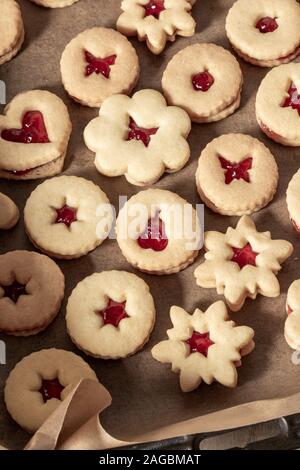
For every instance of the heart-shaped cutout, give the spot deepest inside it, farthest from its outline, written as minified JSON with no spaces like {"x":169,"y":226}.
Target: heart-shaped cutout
{"x":33,"y":130}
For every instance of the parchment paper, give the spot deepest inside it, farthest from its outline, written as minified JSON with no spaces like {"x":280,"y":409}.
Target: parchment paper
{"x":145,"y":394}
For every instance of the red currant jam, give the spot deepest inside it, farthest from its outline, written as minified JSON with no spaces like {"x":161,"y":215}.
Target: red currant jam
{"x":202,"y":81}
{"x":154,"y":236}
{"x":236,"y":171}
{"x":199,"y":342}
{"x":98,"y":65}
{"x":14,"y":291}
{"x":140,"y":133}
{"x":293,"y":100}
{"x":114,"y":313}
{"x":244,"y":256}
{"x":66,"y":215}
{"x":51,"y":389}
{"x":154,"y":8}
{"x":266,"y":25}
{"x":33,"y":130}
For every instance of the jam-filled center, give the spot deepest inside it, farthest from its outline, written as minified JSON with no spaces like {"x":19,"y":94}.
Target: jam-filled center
{"x":66,"y":215}
{"x":14,"y":291}
{"x":33,"y":130}
{"x":199,"y":342}
{"x":202,"y":81}
{"x":266,"y":24}
{"x":293,"y":100}
{"x":114,"y":313}
{"x":244,"y":256}
{"x":154,"y":236}
{"x":51,"y":389}
{"x":140,"y":133}
{"x":98,"y":65}
{"x":154,"y":8}
{"x":236,"y":171}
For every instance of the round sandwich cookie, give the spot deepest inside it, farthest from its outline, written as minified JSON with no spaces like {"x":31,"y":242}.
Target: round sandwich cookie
{"x":156,"y":21}
{"x":39,"y":383}
{"x":242,"y":263}
{"x":158,"y":232}
{"x":278,"y":105}
{"x":293,"y":200}
{"x":205,"y":80}
{"x":9,"y":212}
{"x":292,"y":324}
{"x":67,"y":216}
{"x":54,"y":3}
{"x":98,"y":63}
{"x":34,"y":135}
{"x":11,"y":30}
{"x":110,"y":315}
{"x":231,"y":175}
{"x":265,"y":32}
{"x":31,"y":292}
{"x":139,"y":137}
{"x":204,"y":347}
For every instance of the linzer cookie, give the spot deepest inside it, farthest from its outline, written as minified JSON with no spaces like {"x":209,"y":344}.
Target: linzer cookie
{"x":293,"y":200}
{"x":54,"y":3}
{"x":242,"y":263}
{"x":110,"y":314}
{"x":9,"y":213}
{"x":11,"y":30}
{"x":34,"y":135}
{"x":231,"y":175}
{"x":67,"y":216}
{"x":139,"y":137}
{"x":265,"y":32}
{"x":292,"y":324}
{"x":205,"y":346}
{"x":158,"y":232}
{"x":278,"y":104}
{"x":31,"y":291}
{"x":40,"y":382}
{"x":98,"y":63}
{"x":156,"y":21}
{"x":205,"y":80}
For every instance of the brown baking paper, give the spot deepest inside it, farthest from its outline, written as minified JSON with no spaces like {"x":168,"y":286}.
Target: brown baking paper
{"x":147,"y":403}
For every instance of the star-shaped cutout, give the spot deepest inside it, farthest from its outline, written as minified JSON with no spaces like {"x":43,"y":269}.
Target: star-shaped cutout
{"x":293,"y":100}
{"x":66,"y":215}
{"x":236,"y":171}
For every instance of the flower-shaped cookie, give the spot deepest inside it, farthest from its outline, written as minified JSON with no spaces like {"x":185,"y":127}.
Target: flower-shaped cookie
{"x":242,"y":263}
{"x":9,"y":212}
{"x":292,"y":324}
{"x":204,"y":346}
{"x":156,"y":21}
{"x":139,"y":137}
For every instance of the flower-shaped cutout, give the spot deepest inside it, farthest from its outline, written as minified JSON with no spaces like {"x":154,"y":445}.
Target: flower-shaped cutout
{"x":139,"y":137}
{"x":221,"y":342}
{"x":242,"y":263}
{"x":156,"y":21}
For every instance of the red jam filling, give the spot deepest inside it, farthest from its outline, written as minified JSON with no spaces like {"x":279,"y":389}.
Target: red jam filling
{"x":199,"y":342}
{"x":267,"y":25}
{"x":14,"y":291}
{"x":140,"y":133}
{"x":244,"y":256}
{"x":33,"y":130}
{"x":19,"y":172}
{"x":289,"y":310}
{"x":66,"y":215}
{"x":236,"y":171}
{"x":296,"y":227}
{"x":154,"y":237}
{"x":202,"y":81}
{"x":293,"y":100}
{"x":51,"y":389}
{"x":98,"y":65}
{"x":154,"y":8}
{"x":114,"y":313}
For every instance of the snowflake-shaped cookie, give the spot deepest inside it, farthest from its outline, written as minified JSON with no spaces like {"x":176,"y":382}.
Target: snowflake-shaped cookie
{"x":242,"y":263}
{"x":204,"y":346}
{"x":139,"y":137}
{"x":156,"y":21}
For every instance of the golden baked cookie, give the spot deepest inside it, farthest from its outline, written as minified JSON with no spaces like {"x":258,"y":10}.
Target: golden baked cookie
{"x":292,"y":323}
{"x":11,"y":30}
{"x":9,"y":212}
